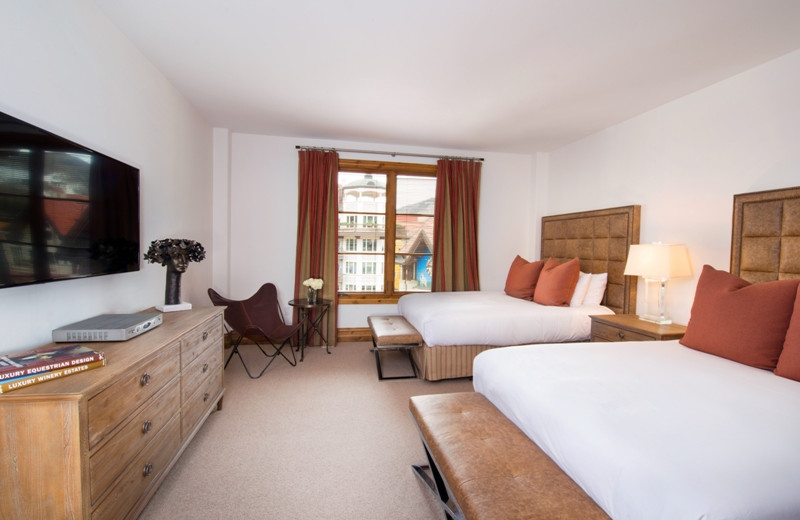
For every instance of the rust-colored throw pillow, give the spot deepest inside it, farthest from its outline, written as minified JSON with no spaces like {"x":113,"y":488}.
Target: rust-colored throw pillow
{"x":557,"y":282}
{"x":737,"y":320}
{"x":789,"y":360}
{"x":522,"y":278}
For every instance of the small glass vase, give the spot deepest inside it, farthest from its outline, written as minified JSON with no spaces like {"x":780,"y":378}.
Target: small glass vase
{"x":312,"y":295}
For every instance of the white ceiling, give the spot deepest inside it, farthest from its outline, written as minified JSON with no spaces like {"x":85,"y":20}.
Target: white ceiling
{"x":483,"y":75}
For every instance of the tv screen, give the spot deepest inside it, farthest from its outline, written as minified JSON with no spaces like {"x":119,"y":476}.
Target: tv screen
{"x":65,"y":211}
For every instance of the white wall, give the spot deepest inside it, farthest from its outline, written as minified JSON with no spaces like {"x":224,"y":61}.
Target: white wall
{"x":684,"y":161}
{"x":262,"y":178}
{"x":66,"y":69}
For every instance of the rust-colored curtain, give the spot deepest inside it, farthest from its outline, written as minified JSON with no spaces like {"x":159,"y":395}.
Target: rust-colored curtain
{"x":317,"y":228}
{"x":455,"y":236}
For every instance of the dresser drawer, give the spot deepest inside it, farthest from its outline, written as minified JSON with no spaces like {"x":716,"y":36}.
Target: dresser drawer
{"x":112,"y":457}
{"x":117,"y":402}
{"x":209,"y":362}
{"x":195,"y":342}
{"x":603,"y":332}
{"x":195,"y":407}
{"x":143,"y":472}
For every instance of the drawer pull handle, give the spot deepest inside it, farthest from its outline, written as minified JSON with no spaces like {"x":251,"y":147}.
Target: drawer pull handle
{"x":621,"y":335}
{"x":205,"y":335}
{"x":147,"y":426}
{"x":205,"y":367}
{"x":148,"y":469}
{"x":145,"y":379}
{"x":206,"y":396}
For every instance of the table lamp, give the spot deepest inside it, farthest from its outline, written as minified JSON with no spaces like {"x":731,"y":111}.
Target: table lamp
{"x":657,"y":263}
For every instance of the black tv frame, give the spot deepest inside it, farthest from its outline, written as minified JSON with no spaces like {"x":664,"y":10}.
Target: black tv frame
{"x":66,"y":211}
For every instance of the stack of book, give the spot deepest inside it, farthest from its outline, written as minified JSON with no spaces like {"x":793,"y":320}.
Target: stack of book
{"x":45,"y":364}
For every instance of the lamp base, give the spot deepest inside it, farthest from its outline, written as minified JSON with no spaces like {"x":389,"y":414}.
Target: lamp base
{"x":661,"y":320}
{"x":655,"y":293}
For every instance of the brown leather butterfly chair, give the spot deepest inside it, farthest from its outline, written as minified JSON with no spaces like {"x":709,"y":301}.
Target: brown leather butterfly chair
{"x":258,"y":318}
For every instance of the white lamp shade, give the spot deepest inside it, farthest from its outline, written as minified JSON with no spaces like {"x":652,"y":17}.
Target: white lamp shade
{"x":658,"y":261}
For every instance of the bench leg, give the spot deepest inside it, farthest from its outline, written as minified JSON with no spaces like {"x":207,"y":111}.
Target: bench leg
{"x":377,"y":360}
{"x":377,"y":352}
{"x":430,"y":476}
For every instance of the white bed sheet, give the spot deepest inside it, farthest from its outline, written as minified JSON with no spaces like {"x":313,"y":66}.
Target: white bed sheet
{"x":494,"y":318}
{"x":655,"y":430}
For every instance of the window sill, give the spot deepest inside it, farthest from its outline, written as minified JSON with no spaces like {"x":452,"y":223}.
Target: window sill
{"x":353,"y":299}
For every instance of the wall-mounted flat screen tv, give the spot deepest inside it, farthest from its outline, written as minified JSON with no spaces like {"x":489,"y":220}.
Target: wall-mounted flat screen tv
{"x":66,"y":211}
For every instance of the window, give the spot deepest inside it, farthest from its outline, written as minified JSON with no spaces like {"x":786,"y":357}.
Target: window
{"x":369,"y":244}
{"x":393,"y":206}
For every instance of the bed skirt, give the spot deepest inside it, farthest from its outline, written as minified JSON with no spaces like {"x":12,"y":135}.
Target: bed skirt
{"x":446,"y":362}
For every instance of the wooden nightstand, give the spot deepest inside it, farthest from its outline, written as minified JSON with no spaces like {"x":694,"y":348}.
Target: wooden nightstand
{"x":628,"y":327}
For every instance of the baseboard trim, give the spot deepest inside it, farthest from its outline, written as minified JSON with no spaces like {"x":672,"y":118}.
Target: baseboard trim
{"x":353,"y":334}
{"x":342,"y":335}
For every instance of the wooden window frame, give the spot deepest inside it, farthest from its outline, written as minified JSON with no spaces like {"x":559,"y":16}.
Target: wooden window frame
{"x":391,"y":170}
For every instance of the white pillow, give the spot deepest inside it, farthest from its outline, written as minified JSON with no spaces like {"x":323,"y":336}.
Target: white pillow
{"x":597,"y":288}
{"x":580,"y":290}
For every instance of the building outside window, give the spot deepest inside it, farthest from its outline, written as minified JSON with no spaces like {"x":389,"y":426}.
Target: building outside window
{"x":381,"y":204}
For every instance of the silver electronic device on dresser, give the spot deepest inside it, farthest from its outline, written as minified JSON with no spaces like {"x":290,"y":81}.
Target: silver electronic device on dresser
{"x":108,"y":327}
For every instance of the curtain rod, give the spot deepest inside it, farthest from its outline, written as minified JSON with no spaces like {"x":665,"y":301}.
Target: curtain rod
{"x":393,"y":154}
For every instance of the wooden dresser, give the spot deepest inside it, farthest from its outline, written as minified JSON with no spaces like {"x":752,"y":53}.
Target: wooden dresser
{"x":96,"y":445}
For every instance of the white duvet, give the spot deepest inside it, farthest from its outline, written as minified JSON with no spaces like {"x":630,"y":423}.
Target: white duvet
{"x":655,"y":430}
{"x":494,"y":318}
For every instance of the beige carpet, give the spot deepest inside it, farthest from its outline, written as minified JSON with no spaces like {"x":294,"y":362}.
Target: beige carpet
{"x":322,"y":440}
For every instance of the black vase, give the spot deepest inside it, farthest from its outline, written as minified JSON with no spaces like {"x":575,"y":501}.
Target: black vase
{"x":172,"y":295}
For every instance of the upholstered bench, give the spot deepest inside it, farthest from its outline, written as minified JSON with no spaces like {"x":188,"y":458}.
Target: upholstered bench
{"x":393,"y":333}
{"x":481,"y":466}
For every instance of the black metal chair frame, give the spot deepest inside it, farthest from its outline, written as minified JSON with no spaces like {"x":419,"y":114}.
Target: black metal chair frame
{"x":261,"y":329}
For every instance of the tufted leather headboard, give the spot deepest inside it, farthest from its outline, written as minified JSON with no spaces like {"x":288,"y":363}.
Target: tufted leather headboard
{"x":601,"y":240}
{"x":766,"y":235}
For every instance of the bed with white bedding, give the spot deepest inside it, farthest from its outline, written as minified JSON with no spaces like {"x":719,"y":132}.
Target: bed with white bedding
{"x":455,"y":327}
{"x":655,"y":430}
{"x":493,"y":318}
{"x":702,"y":428}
